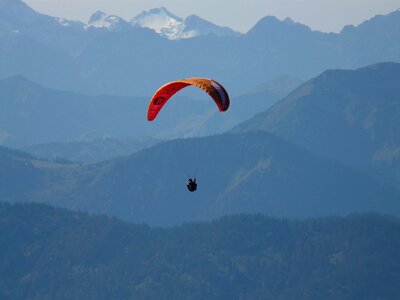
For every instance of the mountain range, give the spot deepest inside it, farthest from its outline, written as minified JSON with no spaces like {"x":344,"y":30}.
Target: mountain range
{"x":111,"y":56}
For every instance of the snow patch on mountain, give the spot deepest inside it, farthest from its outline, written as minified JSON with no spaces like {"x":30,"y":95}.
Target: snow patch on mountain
{"x":69,"y":23}
{"x":172,"y":27}
{"x":63,"y":22}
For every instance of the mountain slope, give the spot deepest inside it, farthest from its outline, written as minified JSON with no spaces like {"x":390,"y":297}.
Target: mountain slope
{"x":350,"y":116}
{"x":49,"y":253}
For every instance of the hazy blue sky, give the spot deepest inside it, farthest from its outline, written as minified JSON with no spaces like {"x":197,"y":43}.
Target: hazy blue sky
{"x":241,"y":15}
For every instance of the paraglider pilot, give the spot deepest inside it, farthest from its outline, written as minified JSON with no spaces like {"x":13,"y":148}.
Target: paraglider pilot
{"x":192,"y":185}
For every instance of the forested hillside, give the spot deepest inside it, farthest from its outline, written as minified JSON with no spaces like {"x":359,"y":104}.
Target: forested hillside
{"x":48,"y":253}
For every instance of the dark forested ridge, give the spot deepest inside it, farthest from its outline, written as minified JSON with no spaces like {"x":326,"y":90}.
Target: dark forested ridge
{"x":49,"y":253}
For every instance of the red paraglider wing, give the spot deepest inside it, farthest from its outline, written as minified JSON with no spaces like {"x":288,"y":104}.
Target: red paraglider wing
{"x":164,"y":93}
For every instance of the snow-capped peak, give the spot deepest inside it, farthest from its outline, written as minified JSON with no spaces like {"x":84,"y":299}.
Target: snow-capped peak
{"x":172,"y":27}
{"x":97,"y":18}
{"x":101,"y":20}
{"x":157,"y":19}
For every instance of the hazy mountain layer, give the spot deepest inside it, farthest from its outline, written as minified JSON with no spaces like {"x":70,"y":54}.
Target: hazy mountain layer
{"x":32,"y":114}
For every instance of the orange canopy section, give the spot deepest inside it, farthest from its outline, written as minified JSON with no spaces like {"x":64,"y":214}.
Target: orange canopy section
{"x":164,"y":93}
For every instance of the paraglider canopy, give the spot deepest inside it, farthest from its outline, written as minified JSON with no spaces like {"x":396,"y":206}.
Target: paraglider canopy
{"x":164,"y":93}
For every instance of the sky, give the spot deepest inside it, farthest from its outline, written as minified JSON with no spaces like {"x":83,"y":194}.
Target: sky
{"x":240,"y":15}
